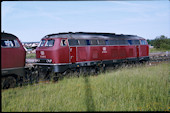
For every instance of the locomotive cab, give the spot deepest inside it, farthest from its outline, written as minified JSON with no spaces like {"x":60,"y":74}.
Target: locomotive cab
{"x":52,"y":54}
{"x":12,"y":60}
{"x":52,"y":51}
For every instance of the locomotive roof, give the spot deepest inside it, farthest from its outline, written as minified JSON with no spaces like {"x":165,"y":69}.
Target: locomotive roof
{"x":8,"y":36}
{"x":90,"y":35}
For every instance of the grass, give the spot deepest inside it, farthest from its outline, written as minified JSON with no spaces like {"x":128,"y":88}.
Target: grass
{"x":152,"y":50}
{"x":128,"y":89}
{"x":31,"y":55}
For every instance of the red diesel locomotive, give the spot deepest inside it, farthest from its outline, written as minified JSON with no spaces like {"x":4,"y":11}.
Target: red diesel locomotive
{"x":61,"y":52}
{"x":12,"y":60}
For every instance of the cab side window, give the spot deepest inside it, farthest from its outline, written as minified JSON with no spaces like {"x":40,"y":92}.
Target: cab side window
{"x":93,"y":42}
{"x":63,"y":42}
{"x":9,"y":43}
{"x":143,"y":42}
{"x":101,"y":42}
{"x":73,"y":42}
{"x":135,"y":42}
{"x":82,"y":42}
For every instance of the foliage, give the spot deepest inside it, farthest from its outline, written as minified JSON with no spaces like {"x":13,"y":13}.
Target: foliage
{"x":161,"y":42}
{"x":141,"y":88}
{"x":150,"y":42}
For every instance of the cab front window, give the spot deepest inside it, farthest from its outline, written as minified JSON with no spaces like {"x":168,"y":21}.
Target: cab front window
{"x":41,"y":43}
{"x":50,"y":43}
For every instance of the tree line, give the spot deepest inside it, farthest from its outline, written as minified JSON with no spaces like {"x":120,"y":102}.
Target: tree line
{"x":161,"y":42}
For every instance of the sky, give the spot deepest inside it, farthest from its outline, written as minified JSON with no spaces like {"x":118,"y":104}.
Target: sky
{"x":30,"y":21}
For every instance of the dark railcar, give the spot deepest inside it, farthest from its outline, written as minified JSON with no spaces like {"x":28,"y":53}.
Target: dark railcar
{"x":12,"y":60}
{"x":65,"y":51}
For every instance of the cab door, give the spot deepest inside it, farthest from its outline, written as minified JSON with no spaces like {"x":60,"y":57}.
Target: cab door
{"x":136,"y":43}
{"x":73,"y":54}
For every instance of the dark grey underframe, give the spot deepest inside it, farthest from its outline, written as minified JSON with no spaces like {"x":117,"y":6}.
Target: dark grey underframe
{"x":13,"y":71}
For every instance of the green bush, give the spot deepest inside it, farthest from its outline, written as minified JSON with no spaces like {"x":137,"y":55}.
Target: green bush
{"x":162,"y":42}
{"x":165,"y":46}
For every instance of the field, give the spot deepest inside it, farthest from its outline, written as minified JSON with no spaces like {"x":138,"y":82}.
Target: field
{"x":152,"y":50}
{"x":141,"y":88}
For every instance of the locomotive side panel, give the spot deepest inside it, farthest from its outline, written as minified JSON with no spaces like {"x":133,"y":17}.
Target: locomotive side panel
{"x":12,"y":57}
{"x":82,"y":54}
{"x":115,"y":52}
{"x":94,"y":53}
{"x":132,"y":52}
{"x":105,"y":52}
{"x":122,"y":52}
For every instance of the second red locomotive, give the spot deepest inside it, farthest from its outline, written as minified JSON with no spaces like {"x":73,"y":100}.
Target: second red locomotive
{"x":13,"y":57}
{"x":60,"y":52}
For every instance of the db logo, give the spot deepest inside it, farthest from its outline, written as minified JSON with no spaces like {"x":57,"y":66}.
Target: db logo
{"x":42,"y":52}
{"x":104,"y":50}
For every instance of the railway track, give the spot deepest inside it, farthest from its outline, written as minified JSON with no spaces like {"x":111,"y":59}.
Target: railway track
{"x":158,"y":57}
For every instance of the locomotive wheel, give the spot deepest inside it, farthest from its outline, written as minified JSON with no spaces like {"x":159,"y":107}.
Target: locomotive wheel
{"x":77,"y":72}
{"x":84,"y":71}
{"x":92,"y":71}
{"x":69,"y":73}
{"x":9,"y":82}
{"x":42,"y":76}
{"x":54,"y":77}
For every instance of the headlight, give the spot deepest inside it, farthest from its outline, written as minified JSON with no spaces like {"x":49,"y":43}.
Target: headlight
{"x":49,"y":60}
{"x":37,"y":60}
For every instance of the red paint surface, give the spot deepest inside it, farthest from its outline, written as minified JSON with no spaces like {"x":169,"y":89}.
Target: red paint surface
{"x":13,"y":57}
{"x":66,"y":54}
